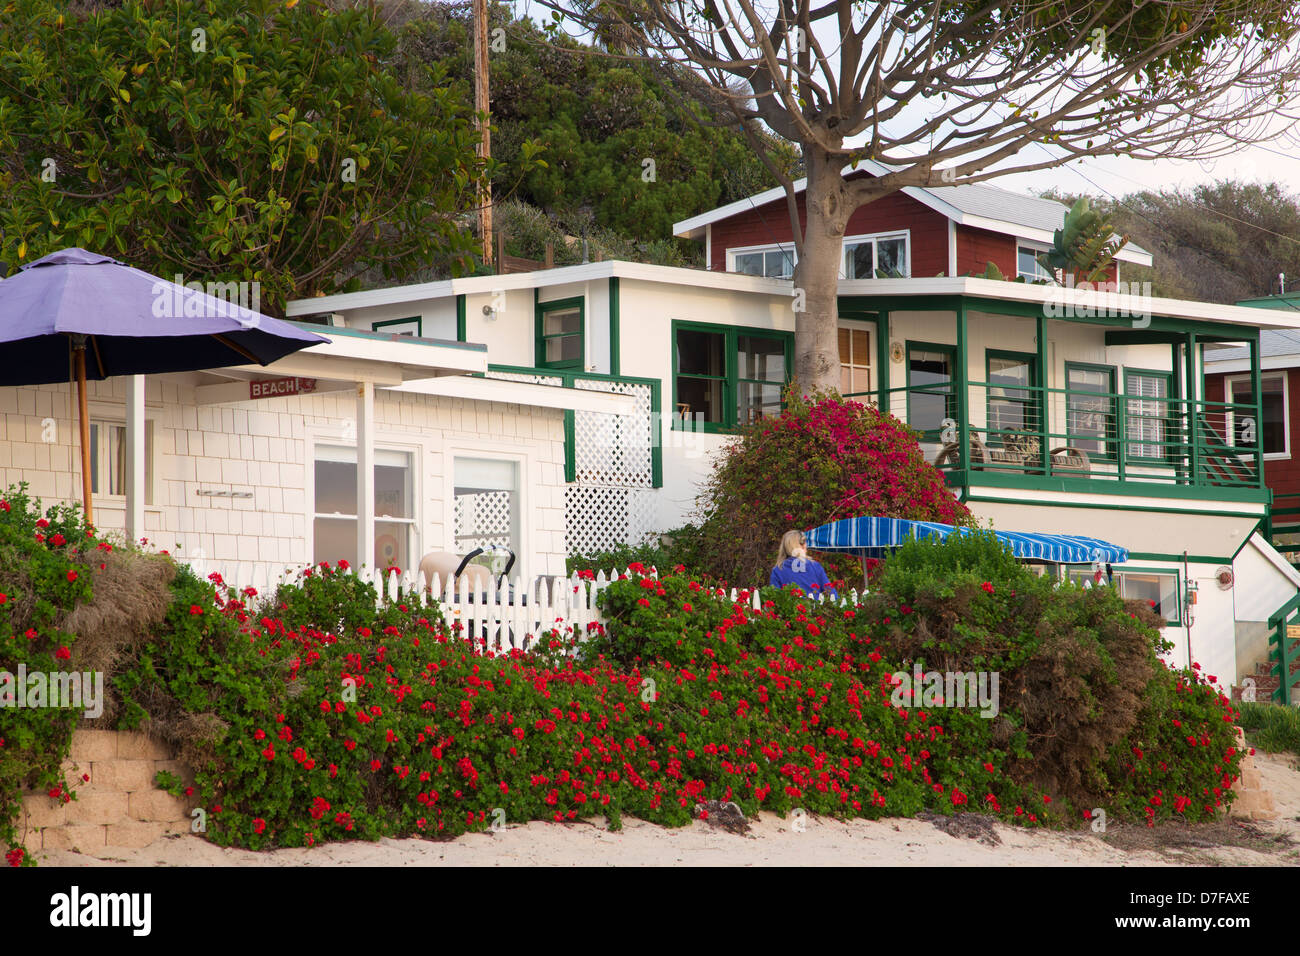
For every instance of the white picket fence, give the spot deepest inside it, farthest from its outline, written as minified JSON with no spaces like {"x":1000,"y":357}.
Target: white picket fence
{"x":509,"y":616}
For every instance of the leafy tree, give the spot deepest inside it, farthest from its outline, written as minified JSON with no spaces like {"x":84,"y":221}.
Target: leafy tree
{"x":1086,"y":243}
{"x":229,"y":139}
{"x":628,"y":146}
{"x":957,"y":93}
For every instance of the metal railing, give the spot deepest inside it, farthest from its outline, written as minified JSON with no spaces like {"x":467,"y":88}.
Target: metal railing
{"x":1074,"y":433}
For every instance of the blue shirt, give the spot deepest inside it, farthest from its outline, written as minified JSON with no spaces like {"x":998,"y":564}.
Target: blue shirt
{"x":810,"y":576}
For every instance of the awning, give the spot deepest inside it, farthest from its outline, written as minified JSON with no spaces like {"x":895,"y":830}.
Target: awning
{"x":876,"y":537}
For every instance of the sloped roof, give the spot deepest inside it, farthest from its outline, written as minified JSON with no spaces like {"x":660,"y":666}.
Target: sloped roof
{"x":1272,"y":342}
{"x":978,"y":205}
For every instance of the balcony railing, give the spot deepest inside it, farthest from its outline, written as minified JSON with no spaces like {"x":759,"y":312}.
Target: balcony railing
{"x":1072,"y":433}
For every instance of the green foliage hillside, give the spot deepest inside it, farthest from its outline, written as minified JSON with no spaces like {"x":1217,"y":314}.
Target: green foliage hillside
{"x":599,"y":118}
{"x":1216,"y":242}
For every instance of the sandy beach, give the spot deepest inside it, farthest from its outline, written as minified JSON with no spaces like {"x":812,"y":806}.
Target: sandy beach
{"x":772,"y":841}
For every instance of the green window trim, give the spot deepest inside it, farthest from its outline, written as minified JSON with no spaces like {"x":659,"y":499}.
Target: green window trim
{"x":1032,"y":405}
{"x":1108,"y":445}
{"x":417,"y":319}
{"x":1169,"y":455}
{"x":730,"y":379}
{"x":615,"y":343}
{"x":1179,"y":586}
{"x":951,"y":404}
{"x":540,"y":311}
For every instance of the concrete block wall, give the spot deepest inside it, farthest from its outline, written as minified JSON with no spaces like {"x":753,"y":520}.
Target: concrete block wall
{"x":117,"y":804}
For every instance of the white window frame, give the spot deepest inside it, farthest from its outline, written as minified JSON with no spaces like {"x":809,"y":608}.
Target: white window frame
{"x":114,"y":417}
{"x":1230,"y":380}
{"x":339,"y":439}
{"x":1036,"y":248}
{"x":525,"y":558}
{"x":873,"y":237}
{"x":787,"y":248}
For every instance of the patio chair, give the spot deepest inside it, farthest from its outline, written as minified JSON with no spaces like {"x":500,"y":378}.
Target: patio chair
{"x":1020,"y":451}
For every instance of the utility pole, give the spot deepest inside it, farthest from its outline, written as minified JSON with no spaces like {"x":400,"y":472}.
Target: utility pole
{"x":481,"y":106}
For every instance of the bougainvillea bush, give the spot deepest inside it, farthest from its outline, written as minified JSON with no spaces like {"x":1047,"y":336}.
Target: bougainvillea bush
{"x":46,"y":562}
{"x":312,"y":716}
{"x":823,"y":458}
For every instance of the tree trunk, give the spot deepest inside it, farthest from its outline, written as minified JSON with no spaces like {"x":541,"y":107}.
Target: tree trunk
{"x":816,"y":276}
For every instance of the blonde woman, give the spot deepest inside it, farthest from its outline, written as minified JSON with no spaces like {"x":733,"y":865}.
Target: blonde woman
{"x":793,"y":566}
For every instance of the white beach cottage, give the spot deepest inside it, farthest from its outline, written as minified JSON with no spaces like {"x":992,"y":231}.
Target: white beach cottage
{"x":580,"y":407}
{"x":1076,"y":423}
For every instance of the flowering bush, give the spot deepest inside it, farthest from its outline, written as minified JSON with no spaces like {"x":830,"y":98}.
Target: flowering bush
{"x":1080,"y":669}
{"x":823,"y":458}
{"x":312,"y":716}
{"x":46,"y":562}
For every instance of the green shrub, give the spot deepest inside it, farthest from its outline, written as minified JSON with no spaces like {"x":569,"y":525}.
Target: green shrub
{"x":824,"y":458}
{"x":1106,"y":722}
{"x":1273,"y":728}
{"x":46,"y":560}
{"x":677,"y":548}
{"x":312,"y":716}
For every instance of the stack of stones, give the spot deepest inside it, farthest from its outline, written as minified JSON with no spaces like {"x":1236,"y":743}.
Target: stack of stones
{"x":1253,"y":801}
{"x":117,"y":803}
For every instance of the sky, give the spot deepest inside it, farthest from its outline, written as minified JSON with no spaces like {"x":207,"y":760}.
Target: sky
{"x":1277,"y":161}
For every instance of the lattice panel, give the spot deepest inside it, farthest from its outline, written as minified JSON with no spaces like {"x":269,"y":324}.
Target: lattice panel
{"x":614,"y":449}
{"x":598,"y":517}
{"x":484,"y":520}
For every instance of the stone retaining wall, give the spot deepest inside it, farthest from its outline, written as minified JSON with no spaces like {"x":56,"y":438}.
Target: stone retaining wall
{"x":117,"y":804}
{"x":1253,"y":801}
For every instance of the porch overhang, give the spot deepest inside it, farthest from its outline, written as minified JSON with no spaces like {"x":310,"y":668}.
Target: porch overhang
{"x":1062,"y":303}
{"x":522,"y":393}
{"x":1205,"y":530}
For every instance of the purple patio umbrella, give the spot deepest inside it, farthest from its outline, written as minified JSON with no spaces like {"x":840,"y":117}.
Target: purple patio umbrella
{"x":77,"y":313}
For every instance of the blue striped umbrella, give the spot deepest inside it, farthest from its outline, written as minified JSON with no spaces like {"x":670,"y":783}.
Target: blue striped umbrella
{"x":876,"y":537}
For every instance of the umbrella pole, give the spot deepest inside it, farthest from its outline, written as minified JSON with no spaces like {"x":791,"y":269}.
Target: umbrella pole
{"x":79,"y":352}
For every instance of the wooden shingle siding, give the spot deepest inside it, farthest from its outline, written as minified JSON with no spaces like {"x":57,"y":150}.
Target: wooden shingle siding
{"x":976,"y":248}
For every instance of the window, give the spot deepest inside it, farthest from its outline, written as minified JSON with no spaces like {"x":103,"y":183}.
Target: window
{"x":725,"y":376}
{"x":1272,"y":428}
{"x":760,"y":377}
{"x":1157,"y":589}
{"x":108,"y":459}
{"x":412,"y":326}
{"x":855,"y":360}
{"x":1162,"y":589}
{"x":1089,"y":407}
{"x":701,"y":375}
{"x":865,"y":257}
{"x":559,"y":334}
{"x":772,"y":262}
{"x":486,"y":508}
{"x":1027,"y":265}
{"x":335,"y":520}
{"x":1147,"y":413}
{"x":1012,"y":405}
{"x":930,"y":396}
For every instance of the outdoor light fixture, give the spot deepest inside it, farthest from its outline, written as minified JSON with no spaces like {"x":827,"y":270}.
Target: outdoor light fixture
{"x":490,"y":311}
